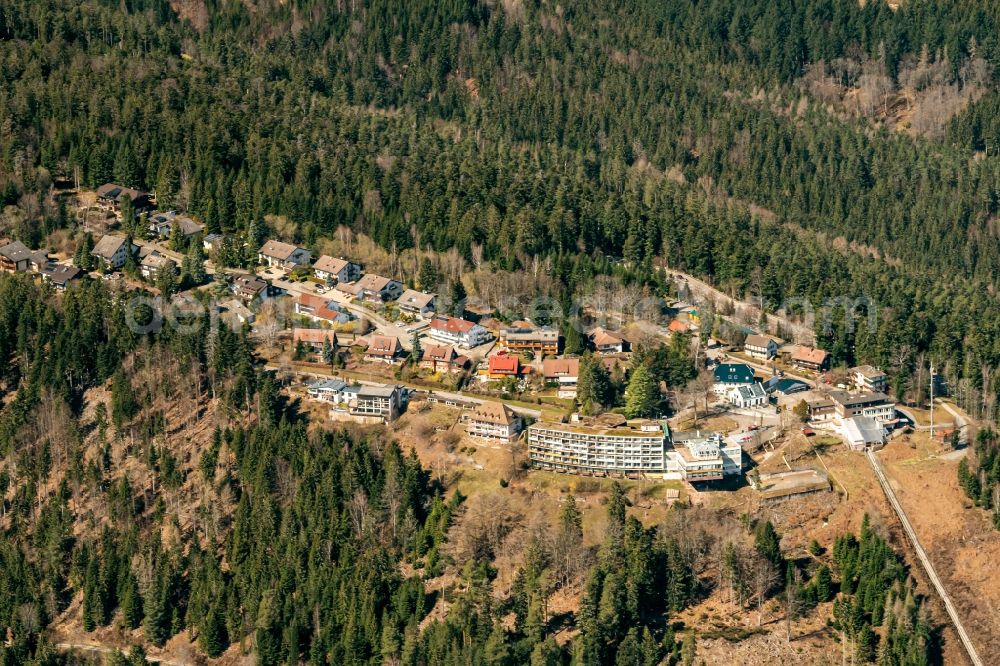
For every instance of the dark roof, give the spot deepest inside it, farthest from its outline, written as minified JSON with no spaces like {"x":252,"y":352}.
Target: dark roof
{"x":734,"y":373}
{"x":15,"y":251}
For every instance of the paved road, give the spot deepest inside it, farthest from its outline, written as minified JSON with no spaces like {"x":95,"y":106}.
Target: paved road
{"x":924,"y":559}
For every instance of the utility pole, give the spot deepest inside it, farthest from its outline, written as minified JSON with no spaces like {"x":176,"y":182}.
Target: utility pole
{"x":932,"y":402}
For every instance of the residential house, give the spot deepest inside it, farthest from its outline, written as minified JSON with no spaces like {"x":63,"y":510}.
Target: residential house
{"x":321,"y":310}
{"x":746,"y":397}
{"x":873,"y":405}
{"x":15,"y":257}
{"x":442,"y":358}
{"x":522,"y":337}
{"x":384,"y":349}
{"x":503,"y":365}
{"x":153,"y":264}
{"x":336,"y":269}
{"x":351,"y":289}
{"x":327,"y":390}
{"x":458,"y":332}
{"x":250,"y":288}
{"x":821,"y":410}
{"x":607,"y":342}
{"x":384,"y":403}
{"x":494,"y":421}
{"x":113,"y":251}
{"x":678,"y":326}
{"x":235,"y":313}
{"x":314,"y":338}
{"x":869,"y":378}
{"x":162,"y":225}
{"x":731,"y":375}
{"x":211,"y":242}
{"x":417,"y":303}
{"x":39,"y":261}
{"x":111,"y":196}
{"x":283,"y":255}
{"x":373,"y":287}
{"x":61,"y":276}
{"x":809,"y":358}
{"x":564,"y":372}
{"x":760,"y":346}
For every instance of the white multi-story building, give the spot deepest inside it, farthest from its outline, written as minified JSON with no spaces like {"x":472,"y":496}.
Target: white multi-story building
{"x":760,"y":346}
{"x":704,"y":458}
{"x":494,"y":421}
{"x":378,"y":402}
{"x":458,"y":332}
{"x":578,"y":448}
{"x":872,"y":405}
{"x":869,"y":377}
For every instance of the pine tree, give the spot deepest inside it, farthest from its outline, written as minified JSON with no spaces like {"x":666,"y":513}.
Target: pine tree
{"x":642,"y":397}
{"x":213,"y":638}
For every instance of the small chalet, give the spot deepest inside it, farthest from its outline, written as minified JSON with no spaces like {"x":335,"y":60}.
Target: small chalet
{"x":314,"y":338}
{"x":809,"y":358}
{"x":442,"y":358}
{"x":283,"y":255}
{"x":565,"y":372}
{"x":111,"y":196}
{"x":607,"y":342}
{"x":250,"y":288}
{"x":747,"y":396}
{"x":153,"y":264}
{"x":61,"y":276}
{"x":162,"y":225}
{"x":336,"y":269}
{"x":384,"y":349}
{"x":15,"y":257}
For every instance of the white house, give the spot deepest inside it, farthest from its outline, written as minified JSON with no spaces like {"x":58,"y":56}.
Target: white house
{"x":336,"y":269}
{"x":417,"y":303}
{"x":760,"y":346}
{"x":747,"y":396}
{"x":113,"y":251}
{"x":373,"y":287}
{"x":458,"y":332}
{"x":732,"y":375}
{"x":869,"y":378}
{"x":283,"y":255}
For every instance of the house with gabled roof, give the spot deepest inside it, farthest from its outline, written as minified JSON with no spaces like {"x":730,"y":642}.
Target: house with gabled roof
{"x":604,"y":341}
{"x":15,"y":257}
{"x":336,"y":269}
{"x":747,"y":396}
{"x":417,"y":303}
{"x":315,"y":338}
{"x":494,"y":421}
{"x":442,"y":358}
{"x":760,"y":346}
{"x":113,"y":251}
{"x":384,"y":349}
{"x":503,"y":365}
{"x":250,"y":288}
{"x":110,"y":197}
{"x":564,"y":372}
{"x":61,"y":276}
{"x":283,"y":255}
{"x":809,"y":358}
{"x":321,"y":309}
{"x":731,"y":375}
{"x":374,"y":287}
{"x":155,"y":263}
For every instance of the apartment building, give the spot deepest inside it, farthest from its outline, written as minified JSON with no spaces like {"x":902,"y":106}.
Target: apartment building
{"x":458,"y":332}
{"x":494,"y":421}
{"x":383,"y":403}
{"x":873,"y":405}
{"x":599,"y":449}
{"x":869,"y":378}
{"x":540,"y":341}
{"x":697,"y":457}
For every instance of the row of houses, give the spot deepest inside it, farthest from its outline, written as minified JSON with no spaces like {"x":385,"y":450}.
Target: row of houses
{"x":766,"y":347}
{"x":16,"y":257}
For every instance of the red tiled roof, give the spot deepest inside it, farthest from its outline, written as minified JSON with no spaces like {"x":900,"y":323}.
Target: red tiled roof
{"x":504,"y":364}
{"x":383,"y":345}
{"x":452,"y":325}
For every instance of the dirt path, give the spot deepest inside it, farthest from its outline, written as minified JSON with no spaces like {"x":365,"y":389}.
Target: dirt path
{"x":925,"y":561}
{"x":100,"y":649}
